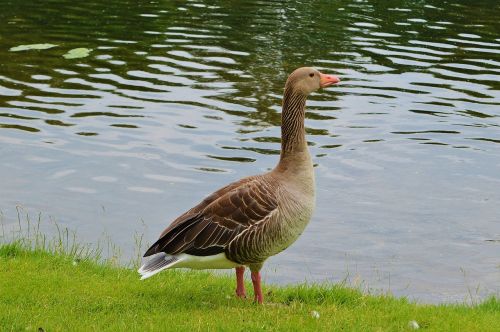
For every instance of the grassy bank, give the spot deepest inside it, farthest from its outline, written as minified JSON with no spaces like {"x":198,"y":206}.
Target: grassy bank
{"x":56,"y":292}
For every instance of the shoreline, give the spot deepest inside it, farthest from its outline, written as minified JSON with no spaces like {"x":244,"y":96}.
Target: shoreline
{"x":63,"y":290}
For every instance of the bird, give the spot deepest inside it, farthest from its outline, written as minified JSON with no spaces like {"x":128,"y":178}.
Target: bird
{"x":246,"y":222}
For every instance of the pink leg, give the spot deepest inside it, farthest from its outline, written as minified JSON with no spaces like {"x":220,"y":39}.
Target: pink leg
{"x":240,"y":285}
{"x":256,"y":287}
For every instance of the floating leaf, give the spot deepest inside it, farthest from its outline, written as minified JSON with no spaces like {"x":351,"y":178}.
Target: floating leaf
{"x":31,"y":47}
{"x":77,"y":53}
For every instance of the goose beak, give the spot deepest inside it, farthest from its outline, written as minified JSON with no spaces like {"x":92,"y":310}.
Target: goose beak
{"x":327,"y":80}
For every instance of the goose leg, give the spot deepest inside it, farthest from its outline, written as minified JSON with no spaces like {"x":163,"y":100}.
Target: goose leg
{"x":257,"y":287}
{"x":240,"y":285}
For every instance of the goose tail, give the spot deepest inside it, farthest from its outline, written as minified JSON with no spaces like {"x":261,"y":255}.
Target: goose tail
{"x":156,"y":264}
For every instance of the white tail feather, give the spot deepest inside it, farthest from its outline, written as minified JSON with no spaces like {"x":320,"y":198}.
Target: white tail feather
{"x":156,"y":264}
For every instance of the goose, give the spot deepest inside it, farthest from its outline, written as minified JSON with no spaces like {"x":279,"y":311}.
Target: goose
{"x":250,"y":220}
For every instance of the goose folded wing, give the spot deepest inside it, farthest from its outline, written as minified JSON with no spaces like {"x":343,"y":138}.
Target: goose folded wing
{"x":209,"y":231}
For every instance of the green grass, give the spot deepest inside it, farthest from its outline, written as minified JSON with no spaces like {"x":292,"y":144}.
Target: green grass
{"x":55,"y":292}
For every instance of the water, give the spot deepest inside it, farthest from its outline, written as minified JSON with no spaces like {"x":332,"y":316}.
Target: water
{"x":178,"y":98}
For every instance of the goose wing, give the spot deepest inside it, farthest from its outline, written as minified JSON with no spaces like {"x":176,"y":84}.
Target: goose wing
{"x":210,"y":226}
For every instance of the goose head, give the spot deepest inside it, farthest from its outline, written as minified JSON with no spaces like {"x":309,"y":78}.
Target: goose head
{"x":306,"y":80}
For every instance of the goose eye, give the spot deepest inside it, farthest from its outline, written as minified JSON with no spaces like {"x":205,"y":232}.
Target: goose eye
{"x":311,"y":75}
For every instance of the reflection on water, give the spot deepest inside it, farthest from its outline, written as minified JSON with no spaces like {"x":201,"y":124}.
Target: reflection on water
{"x":178,"y":98}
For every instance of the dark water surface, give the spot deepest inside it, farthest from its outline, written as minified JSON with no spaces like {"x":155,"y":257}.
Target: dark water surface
{"x":178,"y":98}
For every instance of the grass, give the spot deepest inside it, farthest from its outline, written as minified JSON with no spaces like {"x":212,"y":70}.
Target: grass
{"x":57,"y":291}
{"x":58,"y":284}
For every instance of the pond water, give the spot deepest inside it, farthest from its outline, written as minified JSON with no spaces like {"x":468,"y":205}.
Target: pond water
{"x":178,"y":98}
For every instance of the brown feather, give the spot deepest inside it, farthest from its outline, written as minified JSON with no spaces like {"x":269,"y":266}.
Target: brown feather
{"x":209,"y":227}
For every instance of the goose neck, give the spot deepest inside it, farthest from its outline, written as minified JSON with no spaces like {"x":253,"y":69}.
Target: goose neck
{"x":293,"y":140}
